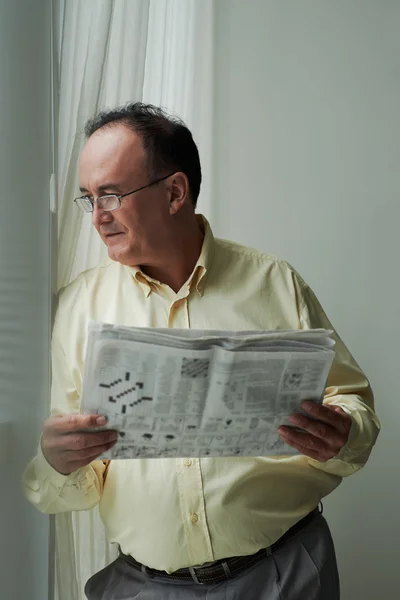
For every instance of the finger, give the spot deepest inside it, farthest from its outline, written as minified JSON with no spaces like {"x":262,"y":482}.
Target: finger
{"x":78,"y":441}
{"x":299,"y":439}
{"x":91,"y":440}
{"x":74,"y":422}
{"x":74,"y":465}
{"x":306,"y":451}
{"x":88,"y":454}
{"x":346,"y":419}
{"x":319,"y":429}
{"x":323,"y":412}
{"x":81,"y":441}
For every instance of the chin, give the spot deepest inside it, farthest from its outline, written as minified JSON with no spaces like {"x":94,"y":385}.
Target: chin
{"x":123,"y":256}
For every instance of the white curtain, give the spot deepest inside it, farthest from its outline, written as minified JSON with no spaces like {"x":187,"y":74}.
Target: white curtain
{"x":112,"y":52}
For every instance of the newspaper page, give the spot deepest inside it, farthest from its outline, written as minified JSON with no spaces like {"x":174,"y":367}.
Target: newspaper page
{"x":175,"y":393}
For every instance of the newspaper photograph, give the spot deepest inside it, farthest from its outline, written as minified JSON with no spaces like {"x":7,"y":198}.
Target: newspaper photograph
{"x":189,"y":393}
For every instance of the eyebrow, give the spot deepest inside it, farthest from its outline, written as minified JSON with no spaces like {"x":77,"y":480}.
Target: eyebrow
{"x":103,"y":188}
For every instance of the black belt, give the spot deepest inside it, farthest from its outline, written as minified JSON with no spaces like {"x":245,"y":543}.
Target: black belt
{"x":224,"y":568}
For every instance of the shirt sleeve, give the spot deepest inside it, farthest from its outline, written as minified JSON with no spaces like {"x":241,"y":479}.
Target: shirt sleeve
{"x":347,"y":387}
{"x":47,"y":489}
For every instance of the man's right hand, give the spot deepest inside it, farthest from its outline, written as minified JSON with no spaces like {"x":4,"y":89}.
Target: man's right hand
{"x":67,"y":448}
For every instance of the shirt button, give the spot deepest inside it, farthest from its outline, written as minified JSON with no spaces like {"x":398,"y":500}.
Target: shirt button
{"x":188,"y":462}
{"x":194,"y":518}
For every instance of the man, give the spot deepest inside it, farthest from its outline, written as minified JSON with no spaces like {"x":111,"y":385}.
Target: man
{"x":245,"y":528}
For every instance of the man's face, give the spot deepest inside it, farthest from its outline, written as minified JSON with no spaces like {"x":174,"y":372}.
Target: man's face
{"x":113,"y":162}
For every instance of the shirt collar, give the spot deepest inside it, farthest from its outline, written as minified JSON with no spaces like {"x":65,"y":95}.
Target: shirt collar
{"x":198,"y":276}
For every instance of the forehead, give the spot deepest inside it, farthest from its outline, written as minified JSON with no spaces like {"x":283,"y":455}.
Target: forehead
{"x":113,"y":153}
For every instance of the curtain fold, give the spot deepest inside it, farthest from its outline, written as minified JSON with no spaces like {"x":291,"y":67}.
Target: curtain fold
{"x":114,"y":52}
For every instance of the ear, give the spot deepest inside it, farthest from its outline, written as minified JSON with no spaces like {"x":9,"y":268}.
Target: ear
{"x":178,"y":188}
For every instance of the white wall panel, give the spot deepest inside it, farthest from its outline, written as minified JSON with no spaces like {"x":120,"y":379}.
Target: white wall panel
{"x":307,"y":156}
{"x":24,"y":285}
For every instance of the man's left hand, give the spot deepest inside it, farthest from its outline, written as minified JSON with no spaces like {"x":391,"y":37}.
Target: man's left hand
{"x":324,"y":435}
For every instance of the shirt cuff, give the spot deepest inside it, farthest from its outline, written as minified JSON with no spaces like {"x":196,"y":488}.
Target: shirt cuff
{"x":45,"y":472}
{"x":354,"y":454}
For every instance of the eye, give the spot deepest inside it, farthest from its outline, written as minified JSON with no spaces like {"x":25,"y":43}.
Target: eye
{"x":88,"y":200}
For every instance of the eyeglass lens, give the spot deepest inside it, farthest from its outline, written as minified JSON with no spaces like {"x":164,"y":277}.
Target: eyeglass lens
{"x":103,"y":203}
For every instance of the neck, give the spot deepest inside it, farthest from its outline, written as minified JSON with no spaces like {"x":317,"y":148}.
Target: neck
{"x":182,"y":253}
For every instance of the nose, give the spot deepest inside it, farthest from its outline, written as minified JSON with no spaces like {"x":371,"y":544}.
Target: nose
{"x":100,"y":216}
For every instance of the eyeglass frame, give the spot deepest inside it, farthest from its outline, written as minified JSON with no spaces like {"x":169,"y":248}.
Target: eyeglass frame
{"x":118,"y":196}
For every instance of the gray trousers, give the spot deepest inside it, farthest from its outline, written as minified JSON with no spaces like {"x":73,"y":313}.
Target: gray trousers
{"x":301,"y":568}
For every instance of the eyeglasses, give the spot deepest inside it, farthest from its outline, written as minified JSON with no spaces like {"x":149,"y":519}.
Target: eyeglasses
{"x":111,"y":201}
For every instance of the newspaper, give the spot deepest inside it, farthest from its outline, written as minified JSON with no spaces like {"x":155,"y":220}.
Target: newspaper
{"x":184,"y":392}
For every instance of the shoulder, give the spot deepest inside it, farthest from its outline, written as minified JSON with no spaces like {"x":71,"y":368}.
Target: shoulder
{"x":239,"y":250}
{"x":75,"y":302}
{"x":249,"y":266}
{"x":86,"y":281}
{"x":251,"y":258}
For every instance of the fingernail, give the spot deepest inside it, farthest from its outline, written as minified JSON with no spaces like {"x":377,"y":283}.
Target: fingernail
{"x":307,"y":405}
{"x":101,"y":420}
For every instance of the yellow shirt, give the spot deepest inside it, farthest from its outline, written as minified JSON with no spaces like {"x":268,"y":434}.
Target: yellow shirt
{"x":173,"y":513}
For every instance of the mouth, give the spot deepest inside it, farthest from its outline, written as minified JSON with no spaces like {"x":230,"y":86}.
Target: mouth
{"x":112,"y":235}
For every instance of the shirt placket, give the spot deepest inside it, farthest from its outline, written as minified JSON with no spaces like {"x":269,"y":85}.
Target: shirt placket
{"x":191,"y":494}
{"x":178,"y":316}
{"x":190,"y":482}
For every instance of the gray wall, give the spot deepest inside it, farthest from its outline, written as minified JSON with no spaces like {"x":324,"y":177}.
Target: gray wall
{"x":24,"y":284}
{"x":307,"y":166}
